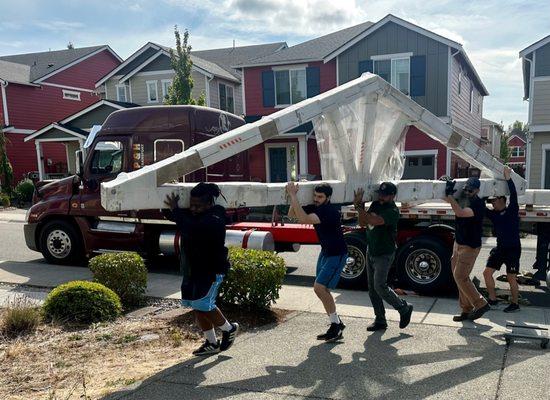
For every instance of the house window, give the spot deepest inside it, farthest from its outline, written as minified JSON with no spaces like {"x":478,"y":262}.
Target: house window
{"x":471,"y":97}
{"x":152,"y":92}
{"x":517,"y":151}
{"x":290,"y":86}
{"x":166,"y":83}
{"x":396,"y":71}
{"x":71,"y":95}
{"x":121,"y":93}
{"x":227,"y":102}
{"x":460,"y":83}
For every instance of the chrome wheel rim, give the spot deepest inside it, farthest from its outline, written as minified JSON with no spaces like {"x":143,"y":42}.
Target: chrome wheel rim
{"x":423,"y":266}
{"x":59,"y":243}
{"x":355,"y":263}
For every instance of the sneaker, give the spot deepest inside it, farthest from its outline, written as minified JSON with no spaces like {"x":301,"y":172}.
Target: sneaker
{"x":493,"y":302}
{"x":478,"y":313}
{"x":405,"y":317}
{"x":461,"y":317}
{"x":207,"y":349}
{"x":334,"y":333}
{"x":377,"y":326}
{"x":540,"y":275}
{"x":228,"y":337}
{"x":513,"y":307}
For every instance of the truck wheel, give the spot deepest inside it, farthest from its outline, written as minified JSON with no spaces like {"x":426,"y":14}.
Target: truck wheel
{"x":424,"y":265}
{"x":60,"y":243}
{"x":354,"y":274}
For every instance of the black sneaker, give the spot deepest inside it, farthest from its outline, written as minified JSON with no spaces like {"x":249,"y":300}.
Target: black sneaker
{"x":493,"y":302}
{"x":513,"y":307}
{"x":228,"y":337}
{"x":335,"y":332}
{"x":461,"y":317}
{"x":405,"y":317}
{"x":478,"y":313}
{"x":208,"y":349}
{"x":377,"y":326}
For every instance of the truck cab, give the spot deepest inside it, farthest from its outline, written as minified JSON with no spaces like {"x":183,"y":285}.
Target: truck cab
{"x":67,"y":222}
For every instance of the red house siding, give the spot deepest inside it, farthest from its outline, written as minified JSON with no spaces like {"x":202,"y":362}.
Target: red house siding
{"x":418,"y":140}
{"x":87,"y":72}
{"x":253,"y":86}
{"x":517,"y":142}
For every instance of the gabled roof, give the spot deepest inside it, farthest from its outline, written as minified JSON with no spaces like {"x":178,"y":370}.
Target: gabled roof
{"x":45,"y":64}
{"x":312,"y":50}
{"x":520,"y":135}
{"x":534,"y":46}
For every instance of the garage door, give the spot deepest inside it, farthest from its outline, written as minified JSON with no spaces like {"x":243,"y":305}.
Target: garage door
{"x":419,"y":167}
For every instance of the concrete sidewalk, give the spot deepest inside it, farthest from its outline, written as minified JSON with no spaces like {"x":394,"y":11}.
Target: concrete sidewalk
{"x":12,"y":215}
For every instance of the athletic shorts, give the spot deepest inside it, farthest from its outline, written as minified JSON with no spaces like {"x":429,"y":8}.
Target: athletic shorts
{"x":329,"y":269}
{"x":507,"y":256}
{"x":201,"y":296}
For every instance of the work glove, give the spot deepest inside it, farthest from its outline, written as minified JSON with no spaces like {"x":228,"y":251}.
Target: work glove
{"x":450,"y":188}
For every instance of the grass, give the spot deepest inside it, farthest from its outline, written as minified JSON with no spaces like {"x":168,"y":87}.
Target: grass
{"x":21,"y":317}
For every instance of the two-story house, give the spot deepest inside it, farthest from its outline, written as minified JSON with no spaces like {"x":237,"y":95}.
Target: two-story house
{"x":433,"y":70}
{"x":491,"y":136}
{"x":517,"y":143}
{"x":536,"y":87}
{"x":40,"y":88}
{"x":145,"y":76}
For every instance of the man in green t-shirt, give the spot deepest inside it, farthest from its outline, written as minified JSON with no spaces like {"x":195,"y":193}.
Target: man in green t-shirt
{"x":381,"y":222}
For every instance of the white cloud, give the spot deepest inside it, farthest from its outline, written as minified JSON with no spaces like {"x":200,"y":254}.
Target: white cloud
{"x":57,"y":25}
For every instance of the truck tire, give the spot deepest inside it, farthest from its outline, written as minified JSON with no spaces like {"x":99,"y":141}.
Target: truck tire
{"x":60,"y":243}
{"x":354,"y":275}
{"x":424,"y":265}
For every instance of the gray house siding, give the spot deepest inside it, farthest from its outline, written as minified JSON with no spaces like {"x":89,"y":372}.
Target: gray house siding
{"x":137,"y":62}
{"x":541,"y":102}
{"x":96,"y":116}
{"x":215,"y":95}
{"x":536,"y":159}
{"x":542,"y":61}
{"x":392,"y":39}
{"x":161,"y":63}
{"x":460,"y":103}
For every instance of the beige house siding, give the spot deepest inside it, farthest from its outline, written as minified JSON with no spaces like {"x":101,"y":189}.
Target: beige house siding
{"x":460,"y":103}
{"x":541,"y":103}
{"x":536,"y":158}
{"x":215,"y":94}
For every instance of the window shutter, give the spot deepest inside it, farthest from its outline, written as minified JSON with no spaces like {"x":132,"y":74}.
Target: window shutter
{"x":365,"y":66}
{"x":418,"y":76}
{"x":313,"y":79}
{"x":268,"y":88}
{"x":223,"y":97}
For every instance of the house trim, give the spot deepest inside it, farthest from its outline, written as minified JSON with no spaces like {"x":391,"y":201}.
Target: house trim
{"x":117,"y":86}
{"x":207,"y":90}
{"x":77,"y":61}
{"x":149,"y":92}
{"x":382,"y":57}
{"x":541,"y":78}
{"x":534,"y":46}
{"x":219,"y":97}
{"x":524,"y":141}
{"x":162,"y":82}
{"x":289,"y":67}
{"x":277,"y":145}
{"x":539,"y":128}
{"x":54,"y":125}
{"x":160,"y":72}
{"x":285,"y":62}
{"x":67,"y":87}
{"x":544,"y":147}
{"x":428,"y":152}
{"x":90,"y":108}
{"x":68,"y":93}
{"x":531,"y":88}
{"x":337,"y":71}
{"x":3,"y":85}
{"x":448,"y":157}
{"x":243,"y":101}
{"x":16,"y":130}
{"x":139,"y":67}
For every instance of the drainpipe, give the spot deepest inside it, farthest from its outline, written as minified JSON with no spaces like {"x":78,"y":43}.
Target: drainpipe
{"x":3,"y":85}
{"x":529,"y":135}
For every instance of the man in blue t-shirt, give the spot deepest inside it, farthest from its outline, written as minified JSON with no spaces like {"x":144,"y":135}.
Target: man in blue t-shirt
{"x":325,"y":218}
{"x":508,"y":251}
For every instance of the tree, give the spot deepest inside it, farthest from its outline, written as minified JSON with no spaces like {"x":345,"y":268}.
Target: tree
{"x":517,"y":127}
{"x":70,"y":45}
{"x":6,"y":170}
{"x":182,"y":84}
{"x":504,"y":149}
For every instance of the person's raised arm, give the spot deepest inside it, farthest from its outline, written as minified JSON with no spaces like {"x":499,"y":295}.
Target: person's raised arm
{"x":511,"y":187}
{"x":460,"y":212}
{"x":364,"y":217}
{"x":299,"y":213}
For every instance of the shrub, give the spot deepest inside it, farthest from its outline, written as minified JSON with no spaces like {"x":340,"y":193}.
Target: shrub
{"x":254,"y":279}
{"x":24,"y":190}
{"x":124,"y":273}
{"x":82,"y":302}
{"x":21,"y":316}
{"x":4,"y":200}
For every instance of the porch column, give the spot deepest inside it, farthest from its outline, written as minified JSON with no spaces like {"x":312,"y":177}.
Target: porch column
{"x":39,"y":159}
{"x":302,"y":151}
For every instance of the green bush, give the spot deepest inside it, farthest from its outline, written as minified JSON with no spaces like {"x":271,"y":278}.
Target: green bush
{"x":124,"y":273}
{"x":24,"y":190}
{"x":4,"y":200}
{"x":82,"y":302}
{"x":254,"y":279}
{"x":21,"y":316}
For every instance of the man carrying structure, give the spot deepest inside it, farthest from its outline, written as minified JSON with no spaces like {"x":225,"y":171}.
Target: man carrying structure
{"x":382,"y":218}
{"x":326,"y":219}
{"x":508,"y":251}
{"x":469,"y":225}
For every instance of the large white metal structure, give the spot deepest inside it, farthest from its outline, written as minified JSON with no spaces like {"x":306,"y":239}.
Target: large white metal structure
{"x":360,"y":129}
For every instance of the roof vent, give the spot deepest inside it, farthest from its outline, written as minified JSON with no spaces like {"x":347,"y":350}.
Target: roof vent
{"x":50,"y":65}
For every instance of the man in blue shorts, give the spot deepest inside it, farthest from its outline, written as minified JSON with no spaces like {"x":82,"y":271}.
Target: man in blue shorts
{"x":205,"y":263}
{"x":325,"y":218}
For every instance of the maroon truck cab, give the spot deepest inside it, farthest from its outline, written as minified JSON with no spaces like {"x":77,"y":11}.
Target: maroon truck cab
{"x":67,"y":223}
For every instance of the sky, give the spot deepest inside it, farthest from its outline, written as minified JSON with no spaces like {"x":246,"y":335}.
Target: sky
{"x":491,"y":31}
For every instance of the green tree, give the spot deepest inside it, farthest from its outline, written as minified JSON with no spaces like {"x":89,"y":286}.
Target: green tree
{"x":517,"y":127}
{"x":6,"y":170}
{"x":70,"y":45}
{"x":504,"y":149}
{"x":182,"y":84}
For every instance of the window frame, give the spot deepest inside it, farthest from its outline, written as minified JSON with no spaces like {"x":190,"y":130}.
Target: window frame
{"x":67,"y":93}
{"x":162,"y":82}
{"x":147,"y":85}
{"x":165,"y":140}
{"x":226,"y":97}
{"x":122,"y":161}
{"x":288,"y":70}
{"x":392,"y":58}
{"x":471,"y":97}
{"x":121,"y":86}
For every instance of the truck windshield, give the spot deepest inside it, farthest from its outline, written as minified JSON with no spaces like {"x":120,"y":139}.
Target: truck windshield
{"x":107,"y":158}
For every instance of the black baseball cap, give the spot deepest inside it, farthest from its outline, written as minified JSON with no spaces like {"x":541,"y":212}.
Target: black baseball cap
{"x":387,"y":188}
{"x":472,"y":183}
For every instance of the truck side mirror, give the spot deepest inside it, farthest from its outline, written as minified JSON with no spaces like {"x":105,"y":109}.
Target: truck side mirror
{"x":79,"y":163}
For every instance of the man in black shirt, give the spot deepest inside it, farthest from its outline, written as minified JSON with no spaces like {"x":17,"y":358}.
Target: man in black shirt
{"x":325,"y":217}
{"x":469,"y":225}
{"x":508,"y":251}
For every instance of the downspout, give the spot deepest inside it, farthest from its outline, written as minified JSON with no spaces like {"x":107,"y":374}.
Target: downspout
{"x":3,"y":85}
{"x":448,"y":154}
{"x":529,"y":135}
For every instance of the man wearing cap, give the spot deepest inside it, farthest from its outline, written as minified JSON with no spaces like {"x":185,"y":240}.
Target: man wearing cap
{"x":381,"y":219}
{"x":469,"y":225}
{"x":508,"y":251}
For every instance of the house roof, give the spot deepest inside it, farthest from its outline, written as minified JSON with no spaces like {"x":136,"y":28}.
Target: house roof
{"x":45,"y":63}
{"x":520,"y":134}
{"x":538,"y":44}
{"x":312,"y":50}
